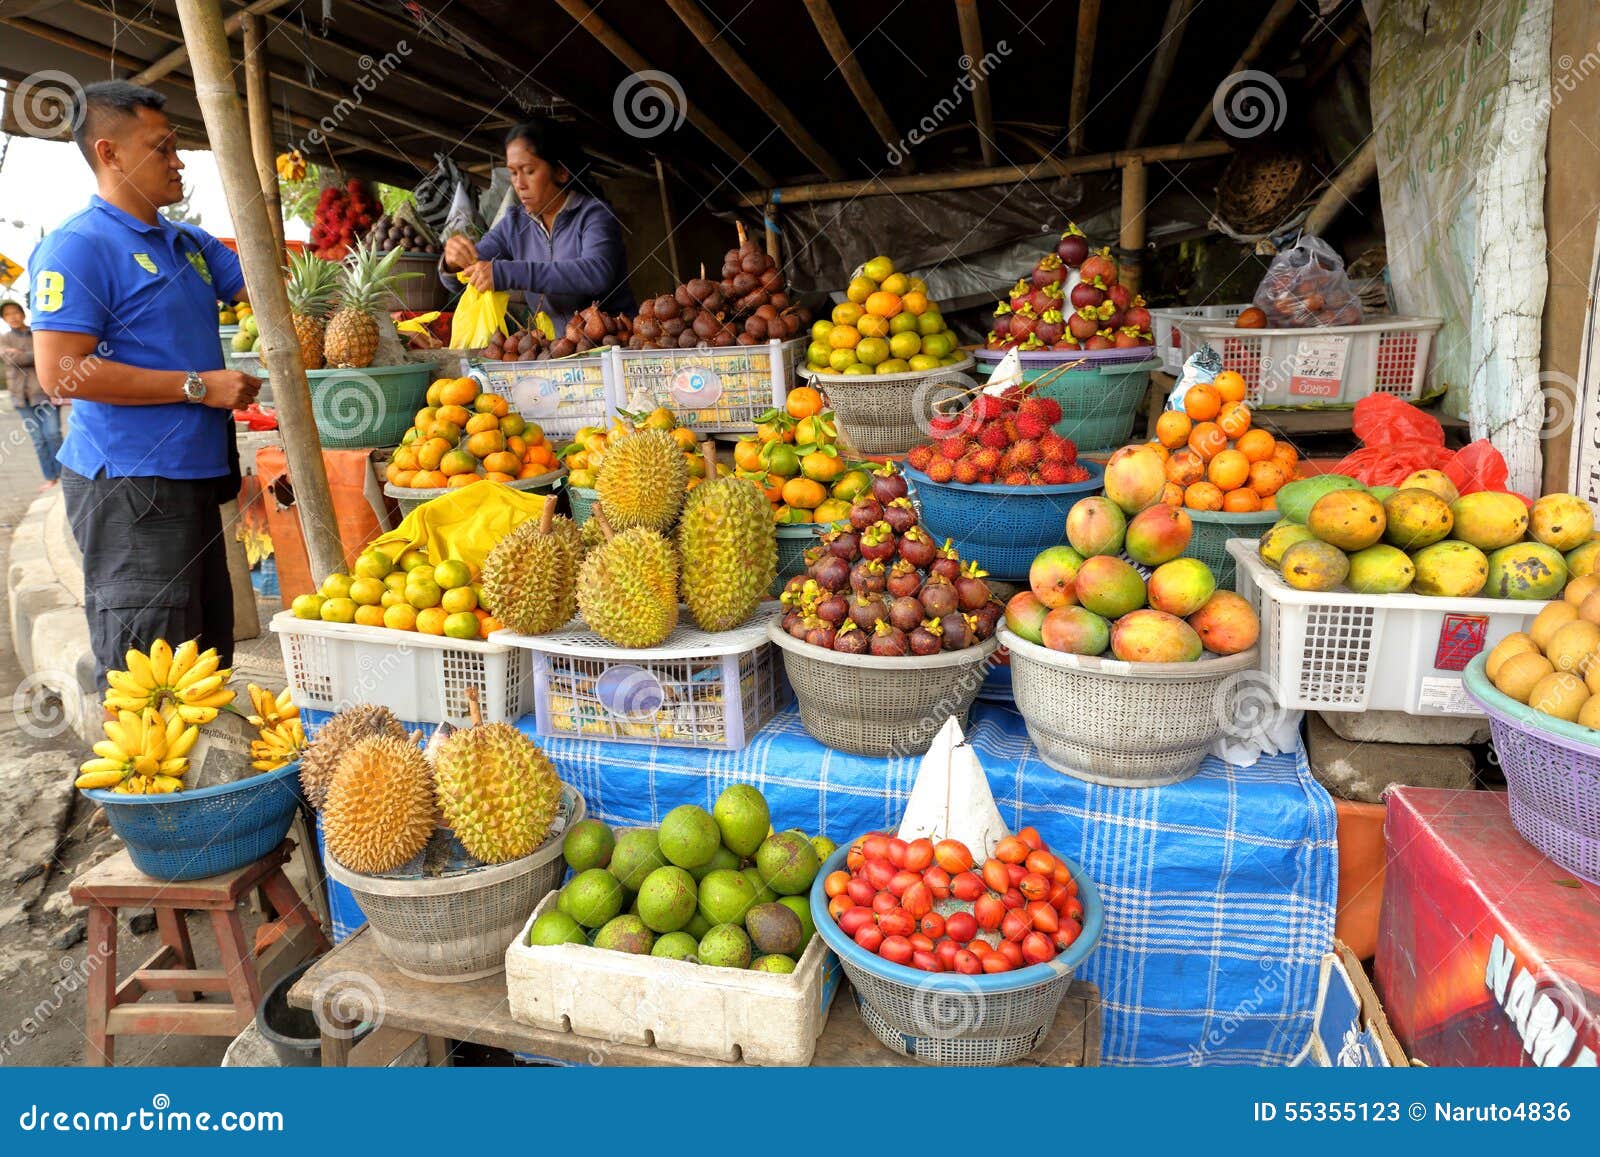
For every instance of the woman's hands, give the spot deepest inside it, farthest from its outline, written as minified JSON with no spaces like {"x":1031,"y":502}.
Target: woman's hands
{"x":460,"y":252}
{"x":480,"y":275}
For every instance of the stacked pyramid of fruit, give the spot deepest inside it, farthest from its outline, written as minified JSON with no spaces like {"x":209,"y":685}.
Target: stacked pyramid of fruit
{"x":463,"y":436}
{"x":887,"y":325}
{"x":1071,"y":300}
{"x":880,"y":585}
{"x":1214,"y":460}
{"x":410,"y":592}
{"x":1005,"y":437}
{"x":748,"y":306}
{"x":794,"y":458}
{"x":584,"y":454}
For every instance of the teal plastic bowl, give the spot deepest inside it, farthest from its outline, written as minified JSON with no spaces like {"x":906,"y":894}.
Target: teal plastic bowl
{"x":1098,"y":403}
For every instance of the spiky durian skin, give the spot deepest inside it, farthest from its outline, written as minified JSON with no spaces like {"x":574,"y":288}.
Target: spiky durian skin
{"x":628,"y":589}
{"x":641,"y":481}
{"x":529,"y":577}
{"x":497,"y":790}
{"x":729,"y":547}
{"x":320,"y":760}
{"x":380,"y":809}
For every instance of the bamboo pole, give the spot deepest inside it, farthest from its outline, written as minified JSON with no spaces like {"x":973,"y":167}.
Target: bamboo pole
{"x":174,"y":59}
{"x":212,"y":65}
{"x":1132,"y":236}
{"x":1357,"y":173}
{"x":695,"y":19}
{"x":1265,"y":31}
{"x":666,"y":216}
{"x":258,"y":106}
{"x":1155,"y":81}
{"x":769,"y":222}
{"x":844,"y":58}
{"x":972,"y":49}
{"x":1082,"y":67}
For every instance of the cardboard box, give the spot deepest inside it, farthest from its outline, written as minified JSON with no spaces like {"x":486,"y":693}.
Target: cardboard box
{"x":1350,"y":1029}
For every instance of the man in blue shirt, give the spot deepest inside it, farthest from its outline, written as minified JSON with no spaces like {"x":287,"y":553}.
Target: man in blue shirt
{"x":125,"y":328}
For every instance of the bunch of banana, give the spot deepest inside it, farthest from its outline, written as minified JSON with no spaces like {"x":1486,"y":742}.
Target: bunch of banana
{"x":142,"y":752}
{"x":291,"y":166}
{"x":267,"y":709}
{"x":185,"y":683}
{"x":279,"y":743}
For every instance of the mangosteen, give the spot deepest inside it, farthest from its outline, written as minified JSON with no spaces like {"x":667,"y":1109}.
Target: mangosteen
{"x":831,"y":572}
{"x":868,"y":577}
{"x":900,"y":515}
{"x":906,"y":613}
{"x":833,"y":609}
{"x":888,"y":642}
{"x":820,"y":635}
{"x":793,"y":587}
{"x":957,"y":633}
{"x":812,"y":554}
{"x":865,"y":511}
{"x":851,"y":640}
{"x":1049,"y":271}
{"x":878,"y":541}
{"x":925,"y":639}
{"x":798,"y":628}
{"x":789,"y":619}
{"x":867,"y":611}
{"x":888,"y":484}
{"x":1084,"y":294}
{"x":1073,"y":246}
{"x":972,"y":593}
{"x":938,"y":596}
{"x":987,"y":618}
{"x":903,"y":579}
{"x":845,"y":544}
{"x":917,"y":548}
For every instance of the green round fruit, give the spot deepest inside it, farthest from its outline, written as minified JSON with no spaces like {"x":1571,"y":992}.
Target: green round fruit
{"x":555,"y":928}
{"x":743,"y":818}
{"x":788,"y":863}
{"x":307,"y":606}
{"x":667,"y":899}
{"x":824,"y":847}
{"x":593,"y":897}
{"x":698,"y":925}
{"x":589,"y":844}
{"x":689,"y":836}
{"x":801,"y":907}
{"x":725,"y":946}
{"x":763,"y":894}
{"x":772,"y":963}
{"x":636,"y":855}
{"x":721,"y":858}
{"x":626,"y":934}
{"x":774,"y":929}
{"x":373,"y":564}
{"x":725,"y":896}
{"x":676,"y":946}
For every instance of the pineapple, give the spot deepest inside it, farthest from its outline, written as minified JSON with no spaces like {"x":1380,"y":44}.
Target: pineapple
{"x":367,"y":280}
{"x":312,"y":283}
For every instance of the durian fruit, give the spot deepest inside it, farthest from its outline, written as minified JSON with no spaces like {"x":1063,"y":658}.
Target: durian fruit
{"x":497,"y":789}
{"x":530,"y":577}
{"x":628,"y":585}
{"x":729,"y":546}
{"x":320,"y":760}
{"x":641,"y":481}
{"x":380,"y":809}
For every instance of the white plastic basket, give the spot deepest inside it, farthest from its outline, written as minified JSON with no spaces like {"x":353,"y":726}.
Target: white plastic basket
{"x":711,"y":390}
{"x":1164,"y":329}
{"x":421,"y":678}
{"x":726,"y":1014}
{"x":1331,"y":365}
{"x":697,"y":689}
{"x":561,"y":394}
{"x":1342,"y":651}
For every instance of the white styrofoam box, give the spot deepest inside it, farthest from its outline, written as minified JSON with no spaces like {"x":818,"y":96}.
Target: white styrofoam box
{"x":421,"y":678}
{"x":726,"y":1014}
{"x":1342,"y":651}
{"x":1328,"y":365}
{"x":1164,"y":329}
{"x":561,"y":395}
{"x":710,"y":390}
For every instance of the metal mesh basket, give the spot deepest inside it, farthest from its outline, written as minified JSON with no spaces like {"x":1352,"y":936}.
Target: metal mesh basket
{"x":1125,"y":724}
{"x":1552,"y":770}
{"x":887,"y":413}
{"x":456,"y":927}
{"x":1213,"y":529}
{"x":794,"y":539}
{"x":879,"y":706}
{"x":410,"y":497}
{"x":1002,"y":527}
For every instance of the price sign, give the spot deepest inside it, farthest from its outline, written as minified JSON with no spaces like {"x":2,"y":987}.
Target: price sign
{"x":1317,"y":370}
{"x":696,"y":387}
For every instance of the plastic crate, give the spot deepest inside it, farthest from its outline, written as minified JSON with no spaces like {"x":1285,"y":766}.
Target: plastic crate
{"x":711,"y":390}
{"x":725,"y":1014}
{"x":1164,"y":329}
{"x":562,"y":395}
{"x":1328,"y":366}
{"x":422,"y":678}
{"x":1342,"y":651}
{"x":697,"y":689}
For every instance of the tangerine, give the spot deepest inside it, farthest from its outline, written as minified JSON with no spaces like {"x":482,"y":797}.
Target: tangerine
{"x":456,"y":415}
{"x":1230,"y":384}
{"x":1185,"y":468}
{"x":457,"y":481}
{"x":478,"y":423}
{"x":1207,"y":440}
{"x":458,"y":391}
{"x":1233,"y":418}
{"x":458,"y":462}
{"x":915,"y":302}
{"x":803,"y":402}
{"x":804,"y":493}
{"x":1203,"y":496}
{"x":1256,"y":445}
{"x":1267,"y":478}
{"x":1270,"y":502}
{"x":1229,"y":470}
{"x":431,"y":620}
{"x":1172,"y":428}
{"x":843,"y":337}
{"x":1241,"y":501}
{"x":431,"y":453}
{"x":502,"y":476}
{"x":884,"y":304}
{"x":1286,"y":456}
{"x":1202,"y":402}
{"x":1171,"y":494}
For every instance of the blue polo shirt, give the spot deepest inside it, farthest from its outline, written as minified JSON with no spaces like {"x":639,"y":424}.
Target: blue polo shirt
{"x":149,"y":293}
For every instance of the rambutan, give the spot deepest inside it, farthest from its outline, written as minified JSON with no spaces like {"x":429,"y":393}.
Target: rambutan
{"x":943,"y":425}
{"x":1050,"y":408}
{"x":986,"y":477}
{"x":953,"y":448}
{"x":1058,"y":449}
{"x":918,"y":457}
{"x":1015,"y":478}
{"x":966,"y":472}
{"x":941,"y":469}
{"x":1027,"y":454}
{"x":1031,"y":424}
{"x":1052,"y":472}
{"x":994,"y":436}
{"x":987,"y":459}
{"x":1077,"y":473}
{"x":987,"y":407}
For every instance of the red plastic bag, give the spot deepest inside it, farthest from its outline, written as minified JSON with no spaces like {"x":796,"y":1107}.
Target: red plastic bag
{"x":1392,"y":464}
{"x":1397,"y":439}
{"x":1383,"y":420}
{"x":1478,"y":467}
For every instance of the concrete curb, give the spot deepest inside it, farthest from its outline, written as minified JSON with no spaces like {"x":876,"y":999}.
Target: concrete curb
{"x":44,"y":589}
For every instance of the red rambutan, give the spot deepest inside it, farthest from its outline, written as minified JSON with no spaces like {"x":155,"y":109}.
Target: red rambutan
{"x":987,"y":407}
{"x":1050,"y":408}
{"x":987,"y":460}
{"x":1027,"y":453}
{"x":953,"y":448}
{"x":1052,"y":472}
{"x":1077,"y":473}
{"x":966,"y":472}
{"x":1031,"y":424}
{"x":1015,"y":478}
{"x":941,"y":469}
{"x":1058,"y":449}
{"x":994,"y":436}
{"x":919,"y":456}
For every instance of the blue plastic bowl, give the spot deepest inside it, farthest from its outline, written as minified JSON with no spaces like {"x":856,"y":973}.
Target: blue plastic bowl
{"x":191,"y":834}
{"x":1002,"y":527}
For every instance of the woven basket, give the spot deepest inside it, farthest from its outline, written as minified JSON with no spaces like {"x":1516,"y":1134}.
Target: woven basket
{"x":888,"y":413}
{"x":410,"y":497}
{"x":1122,"y":724}
{"x":794,"y":539}
{"x":1213,"y":529}
{"x":880,"y":707}
{"x":1260,"y":188}
{"x":456,"y":927}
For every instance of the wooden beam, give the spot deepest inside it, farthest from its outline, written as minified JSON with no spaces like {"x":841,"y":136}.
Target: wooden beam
{"x":1132,"y":236}
{"x":1082,"y":67}
{"x":174,"y":59}
{"x":1155,"y":81}
{"x":260,"y":256}
{"x":712,"y":40}
{"x":844,"y":58}
{"x":666,"y":217}
{"x":972,"y":49}
{"x":258,"y":106}
{"x":623,"y":51}
{"x":1356,"y":174}
{"x":1265,"y":31}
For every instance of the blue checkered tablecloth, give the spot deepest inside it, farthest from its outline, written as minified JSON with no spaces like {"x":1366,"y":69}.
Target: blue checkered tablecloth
{"x":1219,"y":891}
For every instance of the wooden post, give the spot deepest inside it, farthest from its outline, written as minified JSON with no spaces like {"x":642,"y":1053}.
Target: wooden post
{"x":972,"y":49}
{"x":1155,"y":81}
{"x":666,"y":216}
{"x":1357,"y":173}
{"x":1270,"y":23}
{"x":258,"y":102}
{"x":1082,"y":66}
{"x":259,"y":254}
{"x":769,"y":222}
{"x":174,"y":59}
{"x":1131,"y":240}
{"x":844,"y":57}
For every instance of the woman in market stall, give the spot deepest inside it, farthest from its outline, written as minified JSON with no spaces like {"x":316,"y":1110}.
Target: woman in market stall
{"x":562,"y":247}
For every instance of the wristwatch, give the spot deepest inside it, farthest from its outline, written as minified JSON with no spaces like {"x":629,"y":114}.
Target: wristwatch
{"x":194,"y":387}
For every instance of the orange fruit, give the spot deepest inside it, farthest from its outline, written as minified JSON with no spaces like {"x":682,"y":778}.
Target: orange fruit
{"x":444,"y":431}
{"x":391,"y":470}
{"x":431,"y":453}
{"x":1229,"y":470}
{"x":404,"y":478}
{"x":405,"y":458}
{"x":1202,"y":402}
{"x":457,"y":416}
{"x":481,"y":422}
{"x":504,"y":462}
{"x":515,"y":445}
{"x":1202,"y":496}
{"x":1172,"y":494}
{"x":804,"y":493}
{"x":425,"y":417}
{"x":1241,"y":501}
{"x":487,"y":442}
{"x":747,"y":455}
{"x":458,"y":462}
{"x":1256,"y":445}
{"x":458,"y":391}
{"x":1172,"y":428}
{"x":487,"y":623}
{"x":803,"y":402}
{"x":1229,"y":384}
{"x":1270,"y":502}
{"x":1233,"y":418}
{"x":883,"y":304}
{"x":499,"y":476}
{"x":1251,"y":318}
{"x":915,"y":302}
{"x":1267,"y":478}
{"x":433,"y":391}
{"x":431,"y":621}
{"x":1185,"y":468}
{"x":844,"y":337}
{"x":1286,"y":456}
{"x":428,"y":480}
{"x":1207,"y":440}
{"x":531,"y":471}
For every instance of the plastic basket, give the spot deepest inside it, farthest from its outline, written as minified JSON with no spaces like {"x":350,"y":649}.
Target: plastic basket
{"x":188,"y":835}
{"x":582,"y":500}
{"x":794,"y":539}
{"x":881,"y":707}
{"x":949,"y":1018}
{"x":1117,"y":723}
{"x":1213,"y":529}
{"x":408,"y":498}
{"x":1552,"y":771}
{"x":1342,"y":651}
{"x":370,"y":408}
{"x":697,"y":689}
{"x":1002,"y":527}
{"x":1327,"y":366}
{"x":1098,"y":402}
{"x":711,"y":390}
{"x":455,"y":927}
{"x":1169,"y":341}
{"x":888,"y":413}
{"x":562,"y":395}
{"x":424,"y":678}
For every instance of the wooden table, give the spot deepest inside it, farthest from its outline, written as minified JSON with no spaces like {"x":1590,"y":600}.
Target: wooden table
{"x":478,"y":1011}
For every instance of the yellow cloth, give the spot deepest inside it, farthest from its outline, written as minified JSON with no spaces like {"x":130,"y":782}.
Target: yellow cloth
{"x":477,"y":318}
{"x":463,"y":524}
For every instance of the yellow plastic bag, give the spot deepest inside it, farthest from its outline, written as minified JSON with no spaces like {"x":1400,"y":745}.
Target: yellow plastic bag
{"x":477,"y":318}
{"x":464,"y":524}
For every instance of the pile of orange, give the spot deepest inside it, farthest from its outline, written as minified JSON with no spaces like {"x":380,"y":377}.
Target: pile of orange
{"x":463,"y":436}
{"x":1215,"y":459}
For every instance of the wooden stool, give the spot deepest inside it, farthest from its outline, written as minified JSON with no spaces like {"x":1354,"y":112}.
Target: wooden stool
{"x":116,"y":1009}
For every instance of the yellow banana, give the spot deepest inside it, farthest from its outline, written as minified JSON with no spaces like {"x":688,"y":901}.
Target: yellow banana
{"x":160,"y":661}
{"x":200,"y":688}
{"x":195,"y":715}
{"x":99,"y":779}
{"x":139,"y":669}
{"x":182,"y":659}
{"x":202,"y":668}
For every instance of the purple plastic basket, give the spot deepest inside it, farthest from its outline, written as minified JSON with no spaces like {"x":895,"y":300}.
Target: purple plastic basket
{"x":1552,"y":771}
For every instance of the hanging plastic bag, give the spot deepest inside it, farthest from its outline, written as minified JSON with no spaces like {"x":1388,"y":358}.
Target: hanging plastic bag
{"x":463,"y":524}
{"x":479,"y":316}
{"x":434,"y":193}
{"x":463,"y":216}
{"x":1200,"y":369}
{"x":1306,"y":286}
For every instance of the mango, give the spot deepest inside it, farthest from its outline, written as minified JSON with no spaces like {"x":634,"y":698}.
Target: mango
{"x":1434,"y":480}
{"x":1416,"y":518}
{"x":1490,"y":519}
{"x":1513,"y":644}
{"x":1314,"y":566}
{"x":1578,"y":589}
{"x":1550,"y":620}
{"x":1076,"y":630}
{"x":1383,"y":493}
{"x":1589,"y":713}
{"x":1151,"y":636}
{"x":1526,"y":570}
{"x":1589,"y":609}
{"x":1296,"y":499}
{"x":1572,"y":647}
{"x":1563,"y":521}
{"x":1158,"y":534}
{"x":1227,"y":624}
{"x":1025,"y":616}
{"x":1521,"y":673}
{"x":1452,"y":568}
{"x":1280,"y":538}
{"x":1109,"y":587}
{"x":1052,"y":575}
{"x":1181,"y":587}
{"x":1380,"y":570}
{"x":1135,"y":477}
{"x":1581,"y":561}
{"x":1096,"y":526}
{"x":1348,"y":519}
{"x":1560,"y":694}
